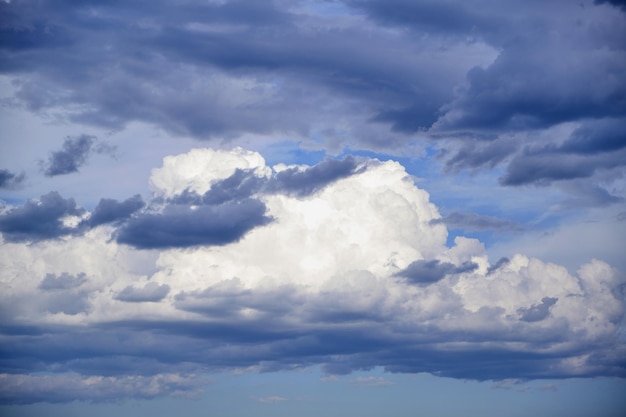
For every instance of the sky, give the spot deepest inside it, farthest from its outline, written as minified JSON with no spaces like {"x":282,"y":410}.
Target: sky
{"x":312,"y":207}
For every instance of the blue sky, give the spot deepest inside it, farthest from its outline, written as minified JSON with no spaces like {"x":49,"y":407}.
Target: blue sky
{"x":292,"y":207}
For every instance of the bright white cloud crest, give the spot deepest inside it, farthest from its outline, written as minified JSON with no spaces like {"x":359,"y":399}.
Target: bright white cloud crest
{"x":326,"y":282}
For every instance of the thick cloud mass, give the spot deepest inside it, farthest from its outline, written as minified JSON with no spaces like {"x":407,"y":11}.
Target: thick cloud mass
{"x":352,"y":272}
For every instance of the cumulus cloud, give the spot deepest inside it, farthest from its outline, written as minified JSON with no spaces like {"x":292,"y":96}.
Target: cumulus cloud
{"x":73,"y":155}
{"x":353,"y":275}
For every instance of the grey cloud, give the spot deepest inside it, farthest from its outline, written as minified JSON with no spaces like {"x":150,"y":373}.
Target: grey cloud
{"x":310,"y":180}
{"x":73,"y":155}
{"x":531,"y":167}
{"x":9,"y":180}
{"x":474,"y":221}
{"x":301,"y":182}
{"x":499,"y":264}
{"x":595,"y":146}
{"x":70,"y":303}
{"x":64,"y":281}
{"x":182,"y":226}
{"x":475,"y":155}
{"x":537,"y":312}
{"x":428,"y":272}
{"x":151,"y":292}
{"x":109,"y":210}
{"x":617,"y":3}
{"x":242,"y":184}
{"x":39,"y":220}
{"x":281,"y":328}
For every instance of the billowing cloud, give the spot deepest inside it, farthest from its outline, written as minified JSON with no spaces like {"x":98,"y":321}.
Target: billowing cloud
{"x":329,"y":282}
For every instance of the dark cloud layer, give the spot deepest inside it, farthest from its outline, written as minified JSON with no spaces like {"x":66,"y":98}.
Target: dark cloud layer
{"x":528,"y":68}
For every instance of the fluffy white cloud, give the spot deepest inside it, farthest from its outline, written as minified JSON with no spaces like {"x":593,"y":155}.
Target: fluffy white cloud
{"x":325,"y":282}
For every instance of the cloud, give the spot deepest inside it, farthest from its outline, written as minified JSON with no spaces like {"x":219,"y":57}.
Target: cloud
{"x":182,"y":226}
{"x":109,"y":210}
{"x":371,"y":381}
{"x":480,"y":82}
{"x":63,"y":281}
{"x":271,"y":400}
{"x":37,"y":220}
{"x":73,"y":155}
{"x":66,"y":387}
{"x":592,"y":147}
{"x":538,"y":312}
{"x":9,"y":180}
{"x":352,"y":276}
{"x":428,"y":272}
{"x":151,"y":292}
{"x":473,"y":221}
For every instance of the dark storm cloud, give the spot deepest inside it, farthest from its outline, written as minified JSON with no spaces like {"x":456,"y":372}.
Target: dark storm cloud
{"x":428,"y":272}
{"x":473,"y":221}
{"x":537,"y":312}
{"x":109,"y":210}
{"x":151,"y":292}
{"x":183,"y":226}
{"x":64,"y":281}
{"x":73,"y":155}
{"x":39,"y":220}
